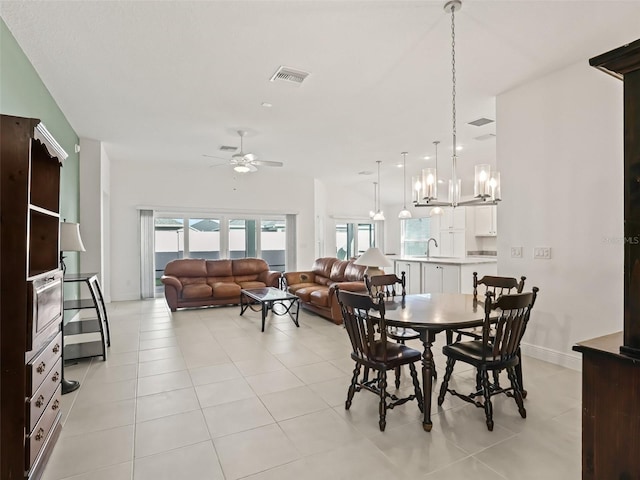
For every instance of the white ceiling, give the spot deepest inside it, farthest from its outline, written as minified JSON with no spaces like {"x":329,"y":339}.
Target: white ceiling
{"x":169,"y":81}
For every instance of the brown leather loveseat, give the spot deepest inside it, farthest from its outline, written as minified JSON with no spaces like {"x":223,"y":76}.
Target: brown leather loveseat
{"x":316,"y":288}
{"x":195,"y":282}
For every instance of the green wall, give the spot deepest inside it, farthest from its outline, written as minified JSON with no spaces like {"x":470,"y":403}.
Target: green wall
{"x":23,"y":94}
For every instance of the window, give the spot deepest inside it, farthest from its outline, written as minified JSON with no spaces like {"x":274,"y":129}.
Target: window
{"x":414,"y":235}
{"x":353,"y":239}
{"x":220,"y":237}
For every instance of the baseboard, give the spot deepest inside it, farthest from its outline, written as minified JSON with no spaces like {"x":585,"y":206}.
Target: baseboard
{"x":563,"y":359}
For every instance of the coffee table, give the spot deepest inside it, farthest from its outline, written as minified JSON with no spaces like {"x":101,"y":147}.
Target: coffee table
{"x":268,"y":297}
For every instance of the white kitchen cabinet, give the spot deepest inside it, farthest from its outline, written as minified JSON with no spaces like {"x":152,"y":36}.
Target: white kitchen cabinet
{"x":486,"y":220}
{"x":440,"y":278}
{"x":413,"y":275}
{"x":452,"y":244}
{"x":453,"y":218}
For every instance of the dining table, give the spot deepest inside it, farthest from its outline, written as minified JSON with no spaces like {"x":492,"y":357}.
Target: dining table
{"x":429,"y":314}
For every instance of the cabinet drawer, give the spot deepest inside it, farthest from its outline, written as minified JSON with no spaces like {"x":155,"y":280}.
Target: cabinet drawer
{"x":39,"y":401}
{"x":40,"y":434}
{"x":39,"y":367}
{"x":45,"y":304}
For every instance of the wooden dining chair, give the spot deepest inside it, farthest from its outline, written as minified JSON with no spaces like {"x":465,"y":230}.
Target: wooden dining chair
{"x":387,"y":285}
{"x":368,"y":337}
{"x":497,"y":286}
{"x":497,"y":350}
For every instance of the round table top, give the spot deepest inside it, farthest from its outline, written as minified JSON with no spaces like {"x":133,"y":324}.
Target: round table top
{"x":434,"y":311}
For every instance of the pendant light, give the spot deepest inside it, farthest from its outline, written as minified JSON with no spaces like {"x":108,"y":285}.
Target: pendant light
{"x":486,"y":189}
{"x":379,"y":215}
{"x":404,"y":213}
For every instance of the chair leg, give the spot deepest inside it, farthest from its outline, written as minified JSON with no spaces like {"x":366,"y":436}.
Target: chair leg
{"x":517,"y":392}
{"x":488,"y":408}
{"x":449,"y":337}
{"x":352,"y":387}
{"x":496,"y":379}
{"x":416,"y":386}
{"x":398,"y":377}
{"x":445,"y":381}
{"x":519,"y":374}
{"x":382,"y":384}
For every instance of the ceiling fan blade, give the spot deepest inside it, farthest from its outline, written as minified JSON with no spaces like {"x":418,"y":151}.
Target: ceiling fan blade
{"x":251,"y":167}
{"x":250,"y":157}
{"x":267,"y":163}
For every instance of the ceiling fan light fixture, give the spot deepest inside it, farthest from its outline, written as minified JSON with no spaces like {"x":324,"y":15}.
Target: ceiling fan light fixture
{"x":242,"y":169}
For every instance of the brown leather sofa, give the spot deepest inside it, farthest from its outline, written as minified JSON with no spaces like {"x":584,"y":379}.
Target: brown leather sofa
{"x":316,"y":288}
{"x":196,"y":282}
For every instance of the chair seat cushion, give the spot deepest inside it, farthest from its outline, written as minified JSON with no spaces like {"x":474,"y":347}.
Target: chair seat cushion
{"x":472,"y":352}
{"x":305,"y":293}
{"x":397,"y":355}
{"x":196,"y":290}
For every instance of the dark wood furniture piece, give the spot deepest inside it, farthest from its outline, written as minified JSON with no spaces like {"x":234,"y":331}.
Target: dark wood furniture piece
{"x":386,"y":284}
{"x":32,"y":294}
{"x":497,"y":350}
{"x":368,"y":337}
{"x":611,"y":364}
{"x":99,"y":324}
{"x":267,"y":298}
{"x":610,"y":409}
{"x":428,"y":314}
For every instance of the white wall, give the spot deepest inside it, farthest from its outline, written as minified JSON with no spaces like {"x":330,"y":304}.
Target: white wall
{"x":175,"y":188}
{"x":94,"y":210}
{"x":559,"y":152}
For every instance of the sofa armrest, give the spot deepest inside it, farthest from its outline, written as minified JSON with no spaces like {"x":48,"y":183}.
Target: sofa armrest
{"x":171,"y":281}
{"x":293,"y":278}
{"x":270,"y":278}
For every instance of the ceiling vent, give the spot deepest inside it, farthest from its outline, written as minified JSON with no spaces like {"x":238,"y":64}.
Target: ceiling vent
{"x":228,"y":148}
{"x":481,"y":121}
{"x":486,"y":136}
{"x":289,"y":75}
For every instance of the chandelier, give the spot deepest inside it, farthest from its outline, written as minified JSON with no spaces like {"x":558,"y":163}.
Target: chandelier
{"x":486,"y":186}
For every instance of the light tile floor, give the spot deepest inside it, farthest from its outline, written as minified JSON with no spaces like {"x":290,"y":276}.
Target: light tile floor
{"x":203,"y":394}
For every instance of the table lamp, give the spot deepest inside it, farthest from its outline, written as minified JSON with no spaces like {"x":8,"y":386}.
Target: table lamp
{"x":70,"y":241}
{"x":373,"y":258}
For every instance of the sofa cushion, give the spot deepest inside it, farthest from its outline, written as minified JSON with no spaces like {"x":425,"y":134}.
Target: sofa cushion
{"x":242,"y":267}
{"x":192,"y":280}
{"x":305,"y":293}
{"x":352,"y":286}
{"x":354,"y":273}
{"x":251,"y":284}
{"x":186,"y":267}
{"x":320,"y":297}
{"x":322,"y":266}
{"x":226,"y":290}
{"x":196,"y":290}
{"x":337,"y":270}
{"x":219,"y":268}
{"x":294,"y":288}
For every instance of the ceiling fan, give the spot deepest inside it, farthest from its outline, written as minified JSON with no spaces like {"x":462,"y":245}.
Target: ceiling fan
{"x":247,"y":162}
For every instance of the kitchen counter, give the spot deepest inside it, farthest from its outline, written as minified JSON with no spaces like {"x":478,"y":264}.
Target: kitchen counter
{"x":444,"y":260}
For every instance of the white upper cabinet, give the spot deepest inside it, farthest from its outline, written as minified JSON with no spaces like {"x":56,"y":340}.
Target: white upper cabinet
{"x":486,"y":219}
{"x":453,"y":219}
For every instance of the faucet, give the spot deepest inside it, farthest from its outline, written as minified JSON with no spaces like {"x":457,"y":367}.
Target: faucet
{"x":435,"y":242}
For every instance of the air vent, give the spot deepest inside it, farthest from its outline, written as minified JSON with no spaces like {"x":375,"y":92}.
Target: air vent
{"x":486,"y":136}
{"x":481,"y":121}
{"x":289,"y":75}
{"x":228,"y":148}
{"x":365,"y":172}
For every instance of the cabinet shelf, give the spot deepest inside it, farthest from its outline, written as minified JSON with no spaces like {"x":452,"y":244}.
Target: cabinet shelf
{"x":76,"y":351}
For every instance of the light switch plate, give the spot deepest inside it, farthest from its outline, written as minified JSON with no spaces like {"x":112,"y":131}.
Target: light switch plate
{"x":516,"y":252}
{"x":542,"y":253}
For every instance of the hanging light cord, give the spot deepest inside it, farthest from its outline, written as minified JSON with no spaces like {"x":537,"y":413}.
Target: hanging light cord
{"x":378,"y":185}
{"x":404,"y":180}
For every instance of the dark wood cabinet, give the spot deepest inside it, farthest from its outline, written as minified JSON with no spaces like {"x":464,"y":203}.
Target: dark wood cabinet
{"x":31,"y":297}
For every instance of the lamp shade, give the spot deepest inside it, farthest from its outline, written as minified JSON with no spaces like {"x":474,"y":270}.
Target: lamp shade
{"x":373,"y":258}
{"x":70,"y":240}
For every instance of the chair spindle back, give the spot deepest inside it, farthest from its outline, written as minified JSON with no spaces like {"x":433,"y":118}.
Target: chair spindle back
{"x":367,"y":334}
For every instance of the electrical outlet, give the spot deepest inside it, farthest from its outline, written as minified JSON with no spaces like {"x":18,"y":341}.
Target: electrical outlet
{"x":516,"y":252}
{"x":542,"y":253}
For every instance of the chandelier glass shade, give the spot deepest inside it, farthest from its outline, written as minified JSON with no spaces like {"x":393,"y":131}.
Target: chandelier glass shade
{"x":486,"y":189}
